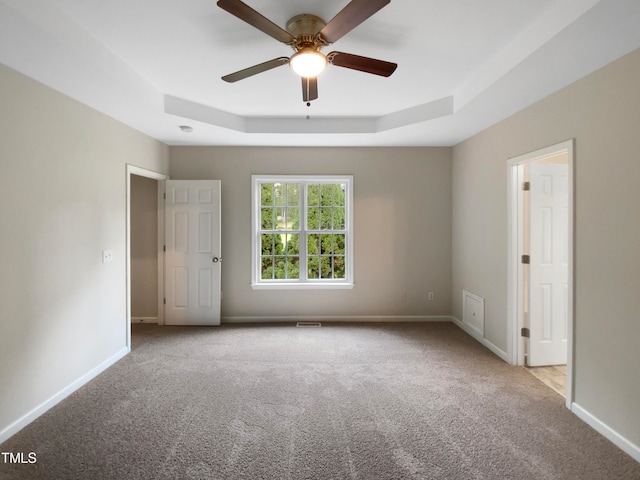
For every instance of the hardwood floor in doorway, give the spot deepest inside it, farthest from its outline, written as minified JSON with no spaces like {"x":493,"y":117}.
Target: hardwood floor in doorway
{"x":554,"y":377}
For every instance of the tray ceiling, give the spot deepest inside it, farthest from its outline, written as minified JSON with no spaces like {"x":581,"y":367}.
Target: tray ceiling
{"x":462,"y":65}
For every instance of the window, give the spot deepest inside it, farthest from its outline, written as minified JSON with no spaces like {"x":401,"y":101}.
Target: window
{"x":302,"y":231}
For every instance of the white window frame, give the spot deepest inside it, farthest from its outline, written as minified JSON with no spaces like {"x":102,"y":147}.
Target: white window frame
{"x":275,"y":284}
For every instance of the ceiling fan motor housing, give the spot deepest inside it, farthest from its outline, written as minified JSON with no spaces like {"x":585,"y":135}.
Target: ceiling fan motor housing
{"x":305,"y":29}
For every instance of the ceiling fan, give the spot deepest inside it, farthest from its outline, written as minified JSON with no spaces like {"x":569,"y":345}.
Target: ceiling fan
{"x":307,"y":34}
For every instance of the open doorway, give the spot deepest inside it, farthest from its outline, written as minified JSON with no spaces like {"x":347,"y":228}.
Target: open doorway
{"x":141,"y":183}
{"x":540,"y":260}
{"x":144,"y":250}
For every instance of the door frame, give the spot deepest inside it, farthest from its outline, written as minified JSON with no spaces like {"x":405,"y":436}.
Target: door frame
{"x":515,"y":320}
{"x":159,"y":177}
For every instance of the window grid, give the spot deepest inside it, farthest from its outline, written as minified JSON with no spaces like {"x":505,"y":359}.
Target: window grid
{"x":279,"y":259}
{"x":315,"y":252}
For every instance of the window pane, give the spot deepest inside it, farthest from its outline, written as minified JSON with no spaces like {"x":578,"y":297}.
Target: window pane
{"x":293,"y":245}
{"x":338,"y":244}
{"x":293,"y":218}
{"x":267,"y":244}
{"x":338,"y":218}
{"x":313,"y":267}
{"x":279,"y":195}
{"x":266,"y":218}
{"x":326,"y":244}
{"x":266,"y":268}
{"x":327,"y":194}
{"x":313,"y":244}
{"x":325,"y":267}
{"x":338,"y":267}
{"x":325,"y":218}
{"x":313,"y":219}
{"x":279,"y":244}
{"x":293,"y":194}
{"x":313,"y":196}
{"x":279,"y":268}
{"x":338,"y":194}
{"x":266,"y":194}
{"x":293,"y":267}
{"x":278,"y":213}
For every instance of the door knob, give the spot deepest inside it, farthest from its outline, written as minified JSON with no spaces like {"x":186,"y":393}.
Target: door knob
{"x":216,"y":259}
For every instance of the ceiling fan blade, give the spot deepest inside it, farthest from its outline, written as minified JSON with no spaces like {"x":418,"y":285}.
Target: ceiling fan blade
{"x":259,"y":68}
{"x":356,"y":12}
{"x":246,"y":13}
{"x":363,"y":64}
{"x":309,"y":88}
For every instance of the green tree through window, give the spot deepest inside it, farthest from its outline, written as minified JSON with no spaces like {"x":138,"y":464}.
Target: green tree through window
{"x":311,"y":214}
{"x":279,"y":224}
{"x":326,"y":212}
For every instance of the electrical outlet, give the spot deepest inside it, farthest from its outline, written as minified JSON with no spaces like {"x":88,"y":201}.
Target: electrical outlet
{"x":107,"y":256}
{"x":430,"y":296}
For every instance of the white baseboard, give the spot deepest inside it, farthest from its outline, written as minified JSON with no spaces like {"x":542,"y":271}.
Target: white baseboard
{"x":144,"y":319}
{"x":476,"y":335}
{"x":618,"y":440}
{"x":29,"y":417}
{"x":337,"y":318}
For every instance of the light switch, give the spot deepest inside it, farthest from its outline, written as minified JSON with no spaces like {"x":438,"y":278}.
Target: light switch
{"x":107,"y":256}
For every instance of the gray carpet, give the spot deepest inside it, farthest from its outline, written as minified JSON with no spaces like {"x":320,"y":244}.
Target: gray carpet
{"x":344,"y":401}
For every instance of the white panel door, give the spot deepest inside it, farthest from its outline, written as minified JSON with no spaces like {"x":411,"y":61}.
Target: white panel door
{"x":193,"y":255}
{"x":549,"y":267}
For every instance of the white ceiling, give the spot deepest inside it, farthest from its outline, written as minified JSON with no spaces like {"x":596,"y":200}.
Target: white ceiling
{"x":462,"y":65}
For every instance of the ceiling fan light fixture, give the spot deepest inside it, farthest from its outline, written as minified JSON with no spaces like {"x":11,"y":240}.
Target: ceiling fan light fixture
{"x":308,"y":62}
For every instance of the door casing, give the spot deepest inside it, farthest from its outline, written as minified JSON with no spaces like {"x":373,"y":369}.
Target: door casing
{"x":515,"y":321}
{"x":159,"y":177}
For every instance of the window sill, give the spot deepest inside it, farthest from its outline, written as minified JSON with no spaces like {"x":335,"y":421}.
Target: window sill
{"x":302,"y":286}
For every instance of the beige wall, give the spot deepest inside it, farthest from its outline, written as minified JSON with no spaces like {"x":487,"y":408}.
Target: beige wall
{"x":63,"y":184}
{"x":144,"y":247}
{"x":602,"y":113}
{"x":402,"y":220}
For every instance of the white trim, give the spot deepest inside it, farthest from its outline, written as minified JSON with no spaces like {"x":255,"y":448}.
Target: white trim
{"x":142,"y":172}
{"x":515,"y":293}
{"x":30,"y":416}
{"x":302,"y":286}
{"x":515,"y":344}
{"x":610,"y":434}
{"x":161,"y":219}
{"x":337,"y":318}
{"x":474,"y":333}
{"x":144,"y":319}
